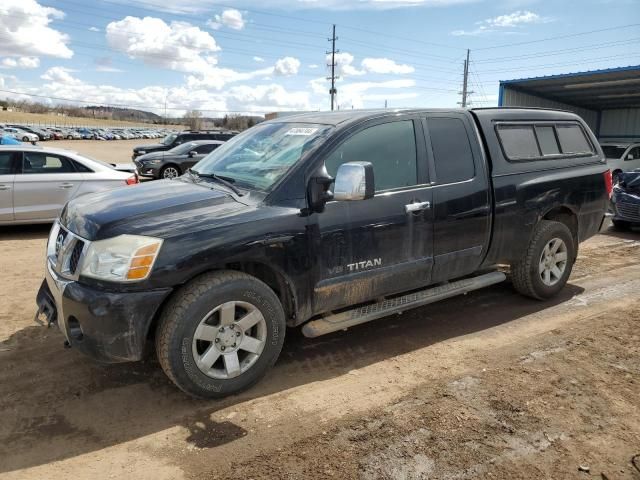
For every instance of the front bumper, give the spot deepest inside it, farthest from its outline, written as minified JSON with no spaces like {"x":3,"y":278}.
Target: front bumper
{"x":626,"y":207}
{"x":109,"y":327}
{"x":146,"y":170}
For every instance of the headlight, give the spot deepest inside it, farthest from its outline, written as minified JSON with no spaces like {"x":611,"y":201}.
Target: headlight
{"x":154,"y":161}
{"x":141,"y":152}
{"x":126,"y":258}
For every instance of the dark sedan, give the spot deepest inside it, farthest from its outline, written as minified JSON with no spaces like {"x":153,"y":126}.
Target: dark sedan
{"x":174,"y":162}
{"x":626,"y":200}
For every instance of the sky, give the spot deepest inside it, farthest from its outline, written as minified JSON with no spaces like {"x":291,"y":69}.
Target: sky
{"x":251,"y":56}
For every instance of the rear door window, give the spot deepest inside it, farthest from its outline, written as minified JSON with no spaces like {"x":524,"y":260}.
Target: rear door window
{"x":451,"y":150}
{"x":573,"y":140}
{"x":46,"y":163}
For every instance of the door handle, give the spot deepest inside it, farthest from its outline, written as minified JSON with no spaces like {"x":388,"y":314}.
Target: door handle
{"x":5,"y":187}
{"x":417,"y":207}
{"x":66,"y":185}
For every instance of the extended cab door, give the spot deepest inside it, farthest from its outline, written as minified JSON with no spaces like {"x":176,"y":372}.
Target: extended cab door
{"x":383,"y":245}
{"x":44,"y":185}
{"x":7,"y":175}
{"x":461,"y":195}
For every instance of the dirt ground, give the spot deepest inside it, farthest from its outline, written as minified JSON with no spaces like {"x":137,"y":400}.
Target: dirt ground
{"x":114,"y":151}
{"x":488,"y":385}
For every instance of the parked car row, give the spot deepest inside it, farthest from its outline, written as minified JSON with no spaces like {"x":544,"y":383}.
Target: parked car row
{"x":27,"y":133}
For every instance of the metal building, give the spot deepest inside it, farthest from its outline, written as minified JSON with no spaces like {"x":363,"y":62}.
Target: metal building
{"x":608,"y":100}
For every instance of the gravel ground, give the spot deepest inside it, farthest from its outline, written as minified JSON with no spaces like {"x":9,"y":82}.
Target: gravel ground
{"x":489,"y":385}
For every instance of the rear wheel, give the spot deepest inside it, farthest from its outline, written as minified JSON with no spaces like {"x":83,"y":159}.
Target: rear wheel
{"x":547,"y":262}
{"x":170,"y":171}
{"x":220,"y":334}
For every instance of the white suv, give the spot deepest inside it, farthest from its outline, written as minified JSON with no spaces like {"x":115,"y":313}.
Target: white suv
{"x":621,"y":157}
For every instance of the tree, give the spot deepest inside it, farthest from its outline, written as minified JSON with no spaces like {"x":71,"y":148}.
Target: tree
{"x":194,"y":119}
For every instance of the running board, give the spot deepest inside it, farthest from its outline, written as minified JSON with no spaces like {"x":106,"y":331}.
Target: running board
{"x":350,"y":318}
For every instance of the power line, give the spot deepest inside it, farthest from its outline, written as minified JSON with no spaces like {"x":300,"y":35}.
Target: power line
{"x":564,"y":51}
{"x":571,"y":35}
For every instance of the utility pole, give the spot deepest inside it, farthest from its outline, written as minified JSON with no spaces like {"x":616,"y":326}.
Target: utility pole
{"x":465,"y":82}
{"x":333,"y":77}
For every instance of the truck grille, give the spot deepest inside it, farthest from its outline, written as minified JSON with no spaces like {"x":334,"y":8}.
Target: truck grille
{"x":65,"y":251}
{"x":630,"y":211}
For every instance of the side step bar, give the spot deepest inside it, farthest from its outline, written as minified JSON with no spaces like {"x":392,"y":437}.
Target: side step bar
{"x":350,"y":318}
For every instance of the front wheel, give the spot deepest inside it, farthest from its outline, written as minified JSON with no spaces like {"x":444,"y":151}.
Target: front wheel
{"x":25,"y":139}
{"x":220,"y":334}
{"x":170,"y":171}
{"x":547,"y":263}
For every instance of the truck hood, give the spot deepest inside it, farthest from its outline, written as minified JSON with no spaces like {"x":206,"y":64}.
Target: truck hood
{"x":152,"y":156}
{"x":161,"y":209}
{"x":150,"y":147}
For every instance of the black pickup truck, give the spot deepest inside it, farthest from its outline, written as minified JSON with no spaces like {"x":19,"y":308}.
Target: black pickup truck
{"x":325,"y":220}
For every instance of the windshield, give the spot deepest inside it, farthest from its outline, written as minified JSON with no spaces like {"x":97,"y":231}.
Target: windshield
{"x":612,"y":151}
{"x":168,"y":140}
{"x":183,"y":149}
{"x":260,"y":156}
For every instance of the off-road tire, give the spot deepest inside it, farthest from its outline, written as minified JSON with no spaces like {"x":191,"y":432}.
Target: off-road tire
{"x":525,"y":275}
{"x":186,"y":309}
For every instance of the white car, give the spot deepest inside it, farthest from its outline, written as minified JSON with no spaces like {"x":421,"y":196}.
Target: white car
{"x":20,"y":134}
{"x":621,"y":157}
{"x":37,"y":182}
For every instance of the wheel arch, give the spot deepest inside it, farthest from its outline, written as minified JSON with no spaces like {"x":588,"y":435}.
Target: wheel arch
{"x":272,"y":276}
{"x":568,"y":217}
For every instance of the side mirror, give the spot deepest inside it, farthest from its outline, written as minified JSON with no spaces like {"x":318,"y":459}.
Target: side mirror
{"x":192,"y":153}
{"x":354,"y":181}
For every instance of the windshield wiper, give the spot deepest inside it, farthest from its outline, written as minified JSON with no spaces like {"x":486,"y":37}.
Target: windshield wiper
{"x":226,"y":181}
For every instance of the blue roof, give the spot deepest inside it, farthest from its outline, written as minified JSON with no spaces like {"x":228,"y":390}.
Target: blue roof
{"x":630,"y":68}
{"x":595,"y":90}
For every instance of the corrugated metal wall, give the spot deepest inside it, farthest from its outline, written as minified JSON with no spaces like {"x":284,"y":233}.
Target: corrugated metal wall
{"x":512,"y":98}
{"x":622,"y":124}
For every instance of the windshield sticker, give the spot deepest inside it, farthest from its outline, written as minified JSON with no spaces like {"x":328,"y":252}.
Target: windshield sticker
{"x":305,"y":132}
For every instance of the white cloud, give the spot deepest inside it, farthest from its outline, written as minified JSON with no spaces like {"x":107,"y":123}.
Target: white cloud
{"x":313,"y":66}
{"x":20,"y":62}
{"x":24,"y":29}
{"x":344,"y":65}
{"x":176,"y":46}
{"x":230,"y":17}
{"x":60,"y":75}
{"x":267,"y":98}
{"x":355,"y":94}
{"x":385,"y":66}
{"x":94,"y":29}
{"x":105,"y":64}
{"x":505,"y":23}
{"x":287,"y":66}
{"x":258,"y":59}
